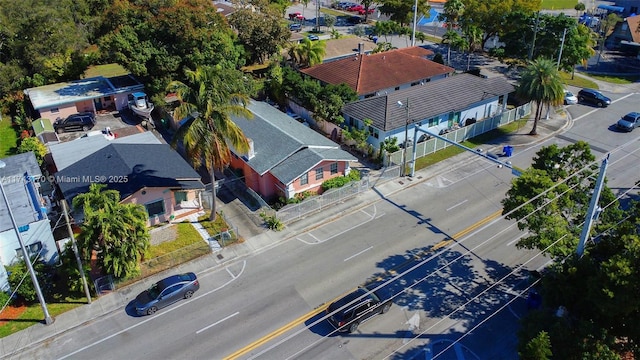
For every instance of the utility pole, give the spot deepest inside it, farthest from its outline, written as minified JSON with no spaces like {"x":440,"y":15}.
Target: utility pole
{"x":535,"y":33}
{"x":564,"y":34}
{"x":415,"y":19}
{"x":594,"y":209}
{"x":48,"y":320}
{"x":74,"y":246}
{"x":403,"y":170}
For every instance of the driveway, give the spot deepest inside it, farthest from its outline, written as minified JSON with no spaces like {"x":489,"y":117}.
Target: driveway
{"x":121,"y":123}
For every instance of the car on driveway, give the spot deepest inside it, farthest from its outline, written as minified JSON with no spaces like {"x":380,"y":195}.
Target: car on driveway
{"x":629,"y":122}
{"x":347,"y":313}
{"x":165,"y":292}
{"x":569,"y":98}
{"x":296,"y":16}
{"x":295,"y":27}
{"x":313,"y":37}
{"x":593,"y":97}
{"x":76,"y":122}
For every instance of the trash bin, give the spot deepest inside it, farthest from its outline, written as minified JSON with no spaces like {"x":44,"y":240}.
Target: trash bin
{"x":507,"y":150}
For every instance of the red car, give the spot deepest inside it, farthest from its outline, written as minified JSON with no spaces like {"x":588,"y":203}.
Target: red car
{"x":296,"y":16}
{"x":355,"y":8}
{"x":370,"y":11}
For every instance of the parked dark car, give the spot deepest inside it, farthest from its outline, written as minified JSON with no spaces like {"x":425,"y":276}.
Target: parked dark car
{"x":76,"y":122}
{"x":165,"y":292}
{"x":295,"y":27}
{"x":355,"y":20}
{"x":358,"y":307}
{"x":593,"y":97}
{"x":629,"y":122}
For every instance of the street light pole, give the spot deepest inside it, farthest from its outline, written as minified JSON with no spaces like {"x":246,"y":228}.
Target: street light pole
{"x":74,"y":247}
{"x":415,"y":19}
{"x":564,"y":34}
{"x":48,"y":320}
{"x":403,"y":170}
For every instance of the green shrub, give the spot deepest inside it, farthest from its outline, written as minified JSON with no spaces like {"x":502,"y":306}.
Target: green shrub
{"x":341,"y":181}
{"x":272,"y":222}
{"x":4,"y":299}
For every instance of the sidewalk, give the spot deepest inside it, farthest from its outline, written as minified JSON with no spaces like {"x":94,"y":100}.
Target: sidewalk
{"x":117,"y":300}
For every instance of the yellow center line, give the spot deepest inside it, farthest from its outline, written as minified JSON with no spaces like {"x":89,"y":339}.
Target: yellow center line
{"x":283,"y":329}
{"x":287,"y":327}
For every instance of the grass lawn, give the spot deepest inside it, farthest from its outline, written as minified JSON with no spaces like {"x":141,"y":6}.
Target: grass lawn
{"x":616,"y":79}
{"x":108,"y":70}
{"x":8,"y":137}
{"x":577,"y":81}
{"x":451,"y":151}
{"x":33,"y":315}
{"x":558,"y":4}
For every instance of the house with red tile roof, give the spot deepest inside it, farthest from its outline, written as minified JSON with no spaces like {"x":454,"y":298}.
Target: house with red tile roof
{"x":381,"y":73}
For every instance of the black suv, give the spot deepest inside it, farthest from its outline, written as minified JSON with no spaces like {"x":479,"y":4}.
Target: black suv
{"x":347,"y":313}
{"x":75,"y":122}
{"x":593,"y":97}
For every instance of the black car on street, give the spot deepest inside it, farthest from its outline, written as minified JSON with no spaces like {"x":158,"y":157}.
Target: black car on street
{"x":347,"y":313}
{"x":593,"y":97}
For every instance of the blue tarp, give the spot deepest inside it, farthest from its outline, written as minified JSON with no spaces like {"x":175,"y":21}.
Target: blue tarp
{"x":429,"y":19}
{"x":611,"y":8}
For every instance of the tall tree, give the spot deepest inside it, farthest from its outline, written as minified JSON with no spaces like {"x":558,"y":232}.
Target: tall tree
{"x":117,"y":232}
{"x":261,"y":32}
{"x":541,"y":83}
{"x":452,"y":11}
{"x":473,"y":36}
{"x":157,"y":40}
{"x":401,"y":11}
{"x":551,"y":198}
{"x":208,"y":99}
{"x":489,"y":15}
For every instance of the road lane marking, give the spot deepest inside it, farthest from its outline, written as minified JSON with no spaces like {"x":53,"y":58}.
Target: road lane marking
{"x":361,"y":252}
{"x":216,"y":323}
{"x":155,"y":316}
{"x":458,"y":204}
{"x":594,"y":110}
{"x":477,"y":225}
{"x":320,"y":241}
{"x":284,"y":329}
{"x":518,"y":238}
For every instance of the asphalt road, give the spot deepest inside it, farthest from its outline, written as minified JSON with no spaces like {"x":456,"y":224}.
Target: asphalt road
{"x":441,"y":245}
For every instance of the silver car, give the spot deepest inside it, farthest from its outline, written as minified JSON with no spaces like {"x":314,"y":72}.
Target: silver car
{"x":165,"y":292}
{"x":569,"y":98}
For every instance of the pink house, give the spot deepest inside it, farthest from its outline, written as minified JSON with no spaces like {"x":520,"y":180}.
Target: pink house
{"x":86,"y":95}
{"x":144,"y":171}
{"x":286,"y":158}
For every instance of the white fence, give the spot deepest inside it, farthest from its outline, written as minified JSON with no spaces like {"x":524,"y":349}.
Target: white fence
{"x":432,"y":145}
{"x":293,"y":212}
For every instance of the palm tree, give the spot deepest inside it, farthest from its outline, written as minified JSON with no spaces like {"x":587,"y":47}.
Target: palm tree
{"x":451,"y":38}
{"x":118,"y":232}
{"x":473,"y":36}
{"x":451,"y":12}
{"x":541,"y":83}
{"x":307,"y":53}
{"x":208,"y":100}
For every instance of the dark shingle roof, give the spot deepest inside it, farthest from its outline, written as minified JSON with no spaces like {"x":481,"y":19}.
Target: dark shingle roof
{"x":143,"y":165}
{"x":373,"y":72}
{"x":283,"y":146}
{"x":455,"y":93}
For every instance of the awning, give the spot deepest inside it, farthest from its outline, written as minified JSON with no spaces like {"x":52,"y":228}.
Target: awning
{"x":611,"y":8}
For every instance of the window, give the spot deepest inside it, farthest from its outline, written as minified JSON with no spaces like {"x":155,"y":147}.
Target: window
{"x":433,"y":121}
{"x":155,"y":208}
{"x":32,"y":249}
{"x":304,"y":179}
{"x":319,"y":173}
{"x":55,"y":110}
{"x":397,"y":88}
{"x":334,"y":168}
